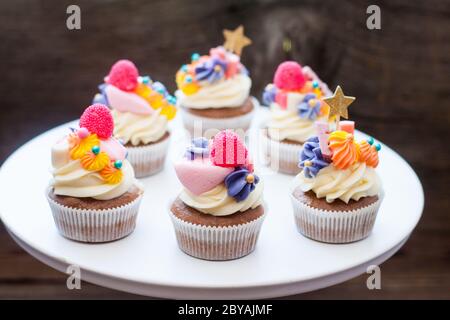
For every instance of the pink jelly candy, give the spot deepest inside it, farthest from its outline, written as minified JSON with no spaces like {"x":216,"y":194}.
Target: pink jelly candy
{"x":289,"y":76}
{"x":98,"y":119}
{"x":123,"y":75}
{"x":228,"y":150}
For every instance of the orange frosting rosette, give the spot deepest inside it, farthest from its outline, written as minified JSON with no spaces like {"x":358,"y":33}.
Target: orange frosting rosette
{"x":345,"y":150}
{"x":368,"y":154}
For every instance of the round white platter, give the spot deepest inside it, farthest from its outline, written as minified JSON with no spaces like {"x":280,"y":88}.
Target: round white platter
{"x":148,"y":262}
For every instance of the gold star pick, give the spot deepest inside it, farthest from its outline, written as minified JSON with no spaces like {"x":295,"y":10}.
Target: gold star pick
{"x":235,"y":40}
{"x":339,"y":103}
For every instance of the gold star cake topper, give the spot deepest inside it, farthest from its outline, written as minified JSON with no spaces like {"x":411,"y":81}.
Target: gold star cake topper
{"x":235,"y":40}
{"x":339,"y":103}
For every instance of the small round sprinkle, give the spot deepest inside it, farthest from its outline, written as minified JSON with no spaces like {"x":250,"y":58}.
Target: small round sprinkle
{"x":250,"y":178}
{"x":118,"y":164}
{"x":378,"y":147}
{"x":146,"y":80}
{"x":315,"y":84}
{"x":195,"y":56}
{"x":370,"y":141}
{"x":307,"y":163}
{"x":95,"y":150}
{"x":312,"y":102}
{"x":184,"y":68}
{"x":188,"y":79}
{"x":82,"y":133}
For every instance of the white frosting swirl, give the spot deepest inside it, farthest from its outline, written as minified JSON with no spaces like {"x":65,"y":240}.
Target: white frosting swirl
{"x":286,"y":124}
{"x":139,"y":128}
{"x":71,"y":179}
{"x":226,"y":93}
{"x":332,"y":183}
{"x":217,"y":202}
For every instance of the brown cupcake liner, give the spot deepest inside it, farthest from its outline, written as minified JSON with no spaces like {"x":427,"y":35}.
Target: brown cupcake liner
{"x":335,"y":226}
{"x":148,"y":160}
{"x":280,"y":156}
{"x":217,"y":243}
{"x":95,"y":225}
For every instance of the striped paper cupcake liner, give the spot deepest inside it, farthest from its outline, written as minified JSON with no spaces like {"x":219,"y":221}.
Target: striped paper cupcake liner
{"x":217,"y":243}
{"x":335,"y":226}
{"x":148,"y":160}
{"x":95,"y":225}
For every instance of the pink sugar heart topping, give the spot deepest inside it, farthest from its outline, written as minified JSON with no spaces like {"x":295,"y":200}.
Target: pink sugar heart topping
{"x":200,"y":175}
{"x":228,"y":150}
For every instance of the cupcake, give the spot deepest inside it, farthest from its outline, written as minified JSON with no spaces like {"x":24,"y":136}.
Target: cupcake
{"x":214,"y":90}
{"x":141,"y":110}
{"x":94,"y":196}
{"x":295,"y":101}
{"x":219,"y":212}
{"x":337,"y":194}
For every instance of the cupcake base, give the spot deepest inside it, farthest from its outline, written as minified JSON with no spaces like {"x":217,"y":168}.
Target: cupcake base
{"x":208,"y":122}
{"x":148,"y":159}
{"x":281,"y":156}
{"x":335,"y":222}
{"x":93,"y":221}
{"x":216,"y":238}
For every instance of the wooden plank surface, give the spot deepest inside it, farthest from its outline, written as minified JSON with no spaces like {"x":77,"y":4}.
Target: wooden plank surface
{"x":400,"y":75}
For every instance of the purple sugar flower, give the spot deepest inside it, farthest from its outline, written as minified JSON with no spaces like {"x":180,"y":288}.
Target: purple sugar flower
{"x":199,"y":148}
{"x":309,"y":107}
{"x":270,"y":92}
{"x":101,"y":96}
{"x":211,"y":70}
{"x":311,"y":159}
{"x":240,"y":183}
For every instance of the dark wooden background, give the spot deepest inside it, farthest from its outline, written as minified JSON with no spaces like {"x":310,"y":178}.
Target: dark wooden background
{"x":400,"y":75}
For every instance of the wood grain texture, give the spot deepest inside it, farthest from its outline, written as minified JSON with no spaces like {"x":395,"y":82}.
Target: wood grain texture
{"x":399,"y":74}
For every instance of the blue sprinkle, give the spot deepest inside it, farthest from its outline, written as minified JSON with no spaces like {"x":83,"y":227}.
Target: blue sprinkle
{"x":195,"y":56}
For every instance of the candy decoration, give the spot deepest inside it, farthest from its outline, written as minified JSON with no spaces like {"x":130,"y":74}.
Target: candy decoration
{"x":199,"y":148}
{"x":200,"y":176}
{"x":98,"y":119}
{"x":322,"y":129}
{"x":338,"y":104}
{"x":347,"y":126}
{"x":94,"y":160}
{"x":269,"y":94}
{"x":111,"y":174}
{"x":211,"y":70}
{"x":82,"y":133}
{"x":240,"y":183}
{"x":310,"y":107}
{"x":118,"y":164}
{"x":114,"y":148}
{"x":195,"y":56}
{"x":129,"y":102}
{"x":345,"y":150}
{"x":228,"y":150}
{"x":311,"y":158}
{"x":289,"y":76}
{"x":281,"y":99}
{"x":79,"y":147}
{"x":123,"y":75}
{"x":235,"y":40}
{"x":368,"y":153}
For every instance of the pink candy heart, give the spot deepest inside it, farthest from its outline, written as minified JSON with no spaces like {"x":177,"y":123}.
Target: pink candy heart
{"x":228,"y":150}
{"x":200,"y":175}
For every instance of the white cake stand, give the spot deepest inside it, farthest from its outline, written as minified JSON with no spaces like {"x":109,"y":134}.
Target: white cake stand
{"x":148,"y":262}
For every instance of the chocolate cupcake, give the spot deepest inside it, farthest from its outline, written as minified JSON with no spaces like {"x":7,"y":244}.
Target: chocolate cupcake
{"x":214,"y":89}
{"x":219,"y":213}
{"x":94,"y":196}
{"x":295,"y":101}
{"x":337,"y":194}
{"x":141,"y":110}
